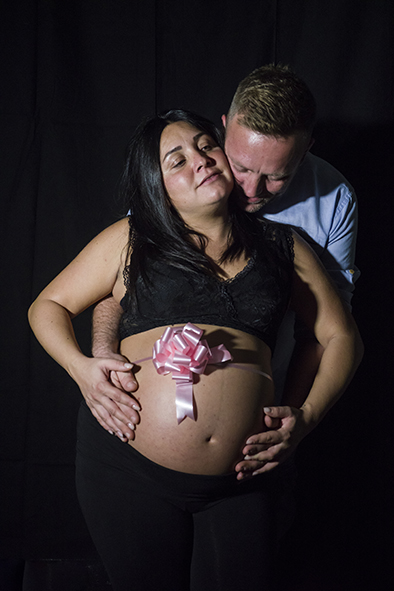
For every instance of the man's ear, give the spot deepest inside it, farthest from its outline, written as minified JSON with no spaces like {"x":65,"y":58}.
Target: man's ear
{"x":311,"y":142}
{"x":224,"y":121}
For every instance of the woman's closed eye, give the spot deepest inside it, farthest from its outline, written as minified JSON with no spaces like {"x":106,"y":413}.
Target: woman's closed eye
{"x":206,"y":147}
{"x":178,"y":163}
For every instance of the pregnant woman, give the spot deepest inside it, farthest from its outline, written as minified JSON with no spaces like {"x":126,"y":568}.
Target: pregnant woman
{"x":204,"y":287}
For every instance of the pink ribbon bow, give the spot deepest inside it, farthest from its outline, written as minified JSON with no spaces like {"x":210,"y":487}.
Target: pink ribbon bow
{"x":180,"y":352}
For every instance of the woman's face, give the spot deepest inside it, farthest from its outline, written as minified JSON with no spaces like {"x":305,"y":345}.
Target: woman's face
{"x":195,"y":169}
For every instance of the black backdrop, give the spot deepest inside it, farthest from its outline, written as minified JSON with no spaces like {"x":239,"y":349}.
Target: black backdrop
{"x":76,"y":77}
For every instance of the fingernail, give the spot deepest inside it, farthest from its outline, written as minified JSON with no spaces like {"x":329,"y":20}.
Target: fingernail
{"x":267,"y":409}
{"x":136,"y":407}
{"x":131,"y":426}
{"x":247,"y":457}
{"x":128,"y":365}
{"x":111,"y":432}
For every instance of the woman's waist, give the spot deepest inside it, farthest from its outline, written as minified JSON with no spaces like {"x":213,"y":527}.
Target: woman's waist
{"x":95,"y":444}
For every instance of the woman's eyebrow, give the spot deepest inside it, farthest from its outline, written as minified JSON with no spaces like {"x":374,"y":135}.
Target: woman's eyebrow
{"x":195,"y":138}
{"x":172,"y":151}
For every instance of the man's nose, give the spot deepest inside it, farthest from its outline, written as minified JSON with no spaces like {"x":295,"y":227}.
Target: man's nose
{"x":252,"y":186}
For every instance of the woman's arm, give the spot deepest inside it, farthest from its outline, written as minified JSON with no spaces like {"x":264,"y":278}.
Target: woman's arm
{"x":93,"y":274}
{"x":315,"y":300}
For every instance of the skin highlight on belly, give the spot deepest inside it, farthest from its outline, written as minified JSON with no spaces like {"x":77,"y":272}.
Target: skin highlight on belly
{"x":228,"y":402}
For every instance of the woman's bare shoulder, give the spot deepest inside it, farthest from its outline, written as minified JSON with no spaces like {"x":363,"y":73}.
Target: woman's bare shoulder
{"x":110,"y":242}
{"x":304,"y":255}
{"x":117,"y":231}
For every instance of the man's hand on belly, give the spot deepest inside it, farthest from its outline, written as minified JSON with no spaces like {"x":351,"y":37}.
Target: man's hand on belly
{"x":264,"y":451}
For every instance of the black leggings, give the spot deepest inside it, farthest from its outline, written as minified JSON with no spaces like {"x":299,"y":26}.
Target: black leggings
{"x":157,"y":528}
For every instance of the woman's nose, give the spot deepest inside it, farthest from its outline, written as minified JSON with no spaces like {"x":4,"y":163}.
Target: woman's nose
{"x":202,"y":160}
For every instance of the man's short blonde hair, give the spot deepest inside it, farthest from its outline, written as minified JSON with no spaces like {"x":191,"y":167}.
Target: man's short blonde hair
{"x":274,"y":101}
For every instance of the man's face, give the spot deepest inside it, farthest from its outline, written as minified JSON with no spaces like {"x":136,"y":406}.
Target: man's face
{"x":263,"y":165}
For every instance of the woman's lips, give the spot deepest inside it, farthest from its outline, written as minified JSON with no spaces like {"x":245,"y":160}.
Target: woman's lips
{"x":210,"y":178}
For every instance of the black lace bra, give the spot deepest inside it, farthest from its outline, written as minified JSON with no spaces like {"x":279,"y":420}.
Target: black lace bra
{"x":254,"y":301}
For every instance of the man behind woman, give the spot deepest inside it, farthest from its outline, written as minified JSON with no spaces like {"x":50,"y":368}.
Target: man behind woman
{"x":268,"y":135}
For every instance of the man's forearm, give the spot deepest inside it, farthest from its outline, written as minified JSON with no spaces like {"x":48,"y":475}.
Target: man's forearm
{"x":105,"y":322}
{"x":302,"y":370}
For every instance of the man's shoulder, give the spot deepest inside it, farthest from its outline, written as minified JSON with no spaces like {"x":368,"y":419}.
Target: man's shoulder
{"x":315,"y":169}
{"x":316,"y":180}
{"x":319,"y":178}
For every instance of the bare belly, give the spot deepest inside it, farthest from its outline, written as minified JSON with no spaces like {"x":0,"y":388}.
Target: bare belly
{"x":229,"y":404}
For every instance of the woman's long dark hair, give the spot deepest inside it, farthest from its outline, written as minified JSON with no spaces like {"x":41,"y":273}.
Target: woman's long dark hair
{"x":156,"y":228}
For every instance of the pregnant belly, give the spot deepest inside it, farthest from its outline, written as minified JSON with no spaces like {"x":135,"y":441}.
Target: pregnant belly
{"x":228,"y":405}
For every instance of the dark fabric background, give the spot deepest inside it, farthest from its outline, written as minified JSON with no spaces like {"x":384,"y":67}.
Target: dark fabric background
{"x":75,"y":79}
